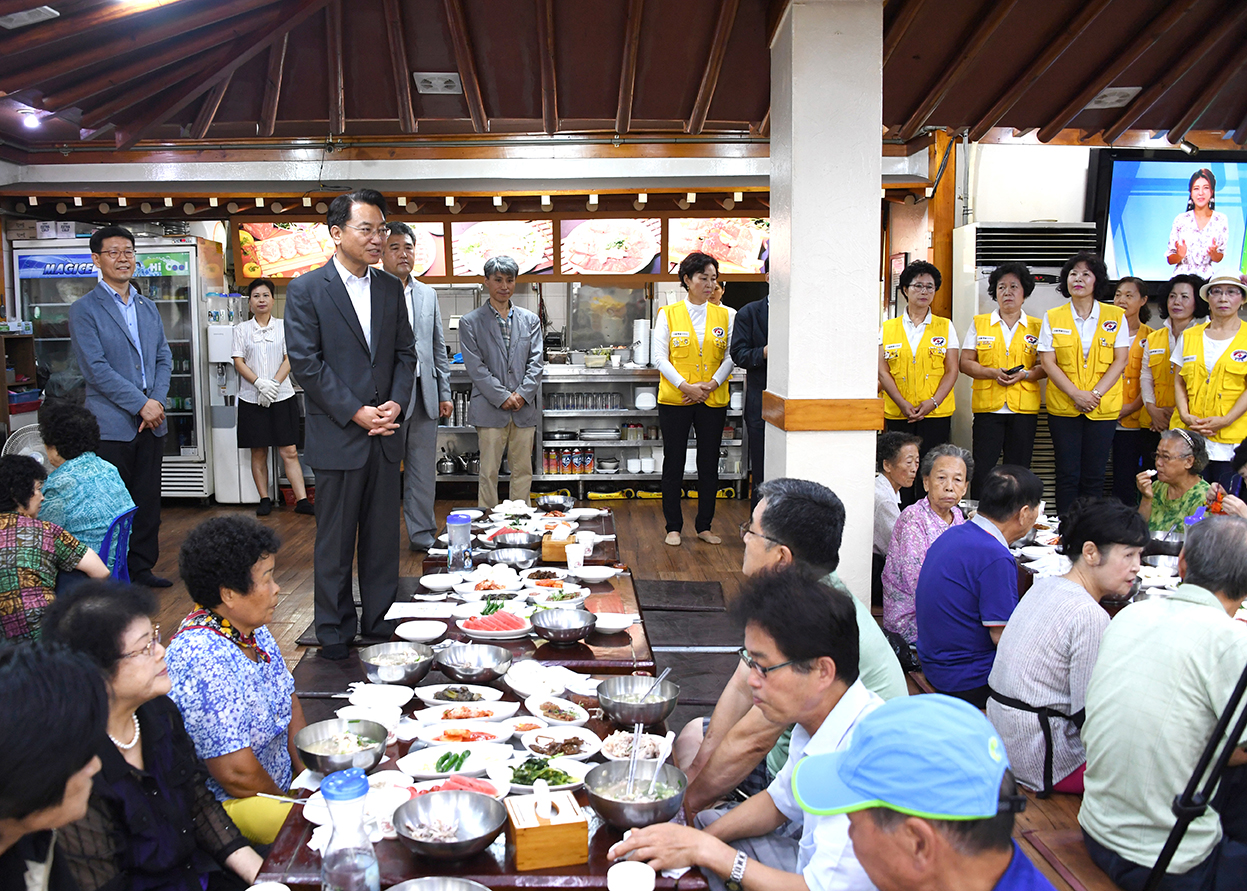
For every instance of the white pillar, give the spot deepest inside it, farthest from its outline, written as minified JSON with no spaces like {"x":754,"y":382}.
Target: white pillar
{"x":826,"y":121}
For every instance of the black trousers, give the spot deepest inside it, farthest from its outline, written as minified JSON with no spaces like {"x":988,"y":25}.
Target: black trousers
{"x":1082,"y":447}
{"x":1133,"y":452}
{"x":1014,"y":434}
{"x":757,"y":454}
{"x":138,"y":463}
{"x":350,"y":504}
{"x":675,"y":422}
{"x":934,"y":431}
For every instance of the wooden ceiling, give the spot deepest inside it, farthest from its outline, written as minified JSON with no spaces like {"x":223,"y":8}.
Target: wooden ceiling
{"x":116,"y":74}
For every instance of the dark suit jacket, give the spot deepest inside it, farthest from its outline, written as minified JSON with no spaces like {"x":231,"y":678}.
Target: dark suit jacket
{"x":331,"y":361}
{"x":749,"y":336}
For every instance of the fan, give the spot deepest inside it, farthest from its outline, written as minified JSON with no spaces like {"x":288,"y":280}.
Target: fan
{"x":26,"y":441}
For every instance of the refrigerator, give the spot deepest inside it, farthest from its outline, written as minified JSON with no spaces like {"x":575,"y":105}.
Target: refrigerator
{"x":176,"y":274}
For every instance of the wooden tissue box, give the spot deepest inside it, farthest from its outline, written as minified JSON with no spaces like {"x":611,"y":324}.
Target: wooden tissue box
{"x":555,"y":551}
{"x":562,"y":840}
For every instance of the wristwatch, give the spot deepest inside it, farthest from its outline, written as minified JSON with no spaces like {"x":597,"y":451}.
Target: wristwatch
{"x":738,"y":872}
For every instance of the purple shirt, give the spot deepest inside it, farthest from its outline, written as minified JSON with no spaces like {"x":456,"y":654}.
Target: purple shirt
{"x":915,"y":531}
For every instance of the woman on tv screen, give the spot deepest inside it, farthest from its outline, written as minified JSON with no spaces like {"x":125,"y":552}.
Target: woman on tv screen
{"x":1198,"y":237}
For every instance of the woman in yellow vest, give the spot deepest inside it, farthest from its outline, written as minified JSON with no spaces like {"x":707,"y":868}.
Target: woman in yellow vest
{"x":918,"y":357}
{"x":1001,"y":354}
{"x":1131,"y":440}
{"x":1211,"y":384}
{"x":1181,"y":308}
{"x":1083,"y":347}
{"x":690,"y":348}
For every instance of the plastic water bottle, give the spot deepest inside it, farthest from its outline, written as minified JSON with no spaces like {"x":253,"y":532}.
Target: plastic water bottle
{"x":349,"y":862}
{"x":459,"y":534}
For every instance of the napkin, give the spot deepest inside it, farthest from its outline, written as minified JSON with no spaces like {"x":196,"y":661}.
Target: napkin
{"x":309,"y":780}
{"x":561,"y":532}
{"x":407,"y":610}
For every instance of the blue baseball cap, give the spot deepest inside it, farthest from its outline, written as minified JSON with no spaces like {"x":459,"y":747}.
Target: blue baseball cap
{"x":928,"y":756}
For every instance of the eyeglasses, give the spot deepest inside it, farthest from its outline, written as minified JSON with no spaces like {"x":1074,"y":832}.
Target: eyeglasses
{"x":746,"y":531}
{"x":1225,"y":292}
{"x":149,"y":649}
{"x":369,"y":232}
{"x":925,"y":288}
{"x":1164,"y":456}
{"x":128,"y":253}
{"x":763,"y":670}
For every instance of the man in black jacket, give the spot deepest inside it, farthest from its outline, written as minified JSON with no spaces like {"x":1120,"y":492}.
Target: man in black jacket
{"x":748,"y":350}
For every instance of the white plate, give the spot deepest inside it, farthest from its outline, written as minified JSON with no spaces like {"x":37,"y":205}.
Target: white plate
{"x":468,"y":590}
{"x":563,"y":585}
{"x":607,"y":472}
{"x":381,"y":694}
{"x":472,"y":608}
{"x":549,"y":524}
{"x":433,"y":733}
{"x":521,"y":724}
{"x":558,"y":573}
{"x":1169,"y":581}
{"x":609,"y":757}
{"x":592,"y":743}
{"x":502,"y":788}
{"x":578,"y":770}
{"x":422,"y":631}
{"x":472,"y":512}
{"x":532,"y":680}
{"x":428,"y":610}
{"x":576,"y":602}
{"x":430,"y":597}
{"x":497,"y":711}
{"x":1037,"y":552}
{"x":496,"y":635}
{"x":611,"y":623}
{"x":379,"y":806}
{"x":422,"y":764}
{"x":584,"y":513}
{"x":534,"y":703}
{"x":595,"y":573}
{"x":427,"y":694}
{"x":441,"y":581}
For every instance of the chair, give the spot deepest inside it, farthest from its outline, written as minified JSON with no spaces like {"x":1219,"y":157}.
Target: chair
{"x":115,"y":547}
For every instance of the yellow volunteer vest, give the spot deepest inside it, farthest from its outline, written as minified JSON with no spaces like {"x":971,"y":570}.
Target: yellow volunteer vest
{"x":1085,"y":373}
{"x":1211,"y":394}
{"x":1159,"y":349}
{"x":1132,"y":380}
{"x":696,"y":362}
{"x":993,"y":352}
{"x":917,"y":375}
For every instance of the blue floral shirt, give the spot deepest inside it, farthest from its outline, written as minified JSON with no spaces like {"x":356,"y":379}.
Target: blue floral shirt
{"x":229,"y":702}
{"x":83,"y":496}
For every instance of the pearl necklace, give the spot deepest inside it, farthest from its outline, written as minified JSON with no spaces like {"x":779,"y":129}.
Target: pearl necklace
{"x":125,"y":747}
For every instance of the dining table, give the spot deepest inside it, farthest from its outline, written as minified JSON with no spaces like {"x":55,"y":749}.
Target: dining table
{"x":604,"y":553}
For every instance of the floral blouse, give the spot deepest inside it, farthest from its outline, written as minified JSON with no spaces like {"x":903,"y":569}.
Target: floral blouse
{"x":32,"y":554}
{"x":916,"y":529}
{"x":1199,"y":242}
{"x":1170,"y":512}
{"x":229,"y":702}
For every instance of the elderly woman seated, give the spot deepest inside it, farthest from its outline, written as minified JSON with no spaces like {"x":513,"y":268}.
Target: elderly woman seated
{"x":83,"y":493}
{"x":1178,"y":490}
{"x":151,"y":821}
{"x":946,"y":471}
{"x":32,"y":551}
{"x":229,"y":679}
{"x":897,"y":454}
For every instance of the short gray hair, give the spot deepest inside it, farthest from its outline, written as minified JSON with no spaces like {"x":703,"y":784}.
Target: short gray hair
{"x":946,"y":450}
{"x":504,"y":266}
{"x":1216,"y":556}
{"x":1192,"y":441}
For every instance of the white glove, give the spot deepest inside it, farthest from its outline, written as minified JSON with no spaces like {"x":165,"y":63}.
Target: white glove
{"x":267,"y":387}
{"x":263,"y":401}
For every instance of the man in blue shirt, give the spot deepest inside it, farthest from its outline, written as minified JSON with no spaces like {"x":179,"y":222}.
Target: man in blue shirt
{"x":968,"y":586}
{"x":928,"y":811}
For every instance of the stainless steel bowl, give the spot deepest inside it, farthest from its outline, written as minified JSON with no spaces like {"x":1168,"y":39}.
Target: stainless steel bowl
{"x":563,"y":626}
{"x":516,"y":558}
{"x":527,"y":540}
{"x":480,"y":818}
{"x":408,"y":674}
{"x":1162,"y":561}
{"x":474,"y":663}
{"x":556,"y":502}
{"x":327,"y":764}
{"x":661,"y":703}
{"x":439,"y":883}
{"x":633,"y":814}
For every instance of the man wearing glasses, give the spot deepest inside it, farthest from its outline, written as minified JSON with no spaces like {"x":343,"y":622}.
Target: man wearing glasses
{"x":350,"y":347}
{"x":801,"y":652}
{"x":119,"y":343}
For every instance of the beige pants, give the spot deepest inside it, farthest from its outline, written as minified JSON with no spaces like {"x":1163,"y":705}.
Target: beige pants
{"x":518,"y":443}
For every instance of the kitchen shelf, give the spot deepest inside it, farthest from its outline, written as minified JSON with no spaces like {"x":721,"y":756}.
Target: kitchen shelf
{"x":626,"y":443}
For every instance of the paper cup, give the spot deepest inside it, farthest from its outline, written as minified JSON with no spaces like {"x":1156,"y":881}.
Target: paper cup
{"x":576,"y":554}
{"x":630,"y":875}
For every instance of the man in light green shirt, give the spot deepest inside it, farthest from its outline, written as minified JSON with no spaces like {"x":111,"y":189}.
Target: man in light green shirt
{"x":1164,"y":675}
{"x":796,"y":523}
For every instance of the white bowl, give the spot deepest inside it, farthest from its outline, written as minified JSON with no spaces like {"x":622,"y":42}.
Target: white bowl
{"x":539,"y":598}
{"x":472,"y":512}
{"x":422,"y":631}
{"x":595,"y":573}
{"x":531,"y":678}
{"x":591,"y":742}
{"x":497,"y":711}
{"x":612,"y":623}
{"x":428,"y":694}
{"x":394,"y":695}
{"x":534,"y":703}
{"x":441,"y":581}
{"x":433,"y":733}
{"x":646,"y":402}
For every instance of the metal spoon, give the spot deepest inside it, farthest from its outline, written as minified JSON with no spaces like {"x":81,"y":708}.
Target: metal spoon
{"x":654,"y":686}
{"x":664,"y":750}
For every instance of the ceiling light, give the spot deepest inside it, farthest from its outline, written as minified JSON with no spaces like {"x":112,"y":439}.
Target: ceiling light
{"x":212,"y":202}
{"x":259,"y":202}
{"x":121,"y":201}
{"x":402,"y":200}
{"x":500,"y":205}
{"x":322,"y":207}
{"x":77,"y":202}
{"x":691,"y":197}
{"x":168,"y":202}
{"x":642,"y":198}
{"x":307,"y":200}
{"x":546,"y":203}
{"x":738,"y":197}
{"x":30,"y":118}
{"x":434,"y":82}
{"x":232,"y":207}
{"x":450,"y":200}
{"x":33,"y":199}
{"x":1189,"y":147}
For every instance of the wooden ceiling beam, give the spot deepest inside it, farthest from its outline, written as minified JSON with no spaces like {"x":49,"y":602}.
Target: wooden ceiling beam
{"x":129,"y":132}
{"x":1054,"y":47}
{"x":22,"y":76}
{"x":1120,"y":60}
{"x":466,"y":64}
{"x":337,"y":86}
{"x":1207,"y":96}
{"x":1180,"y":63}
{"x":896,"y":31}
{"x":44,"y":34}
{"x":714,"y":64}
{"x":207,"y":111}
{"x":775,"y":10}
{"x":627,"y":73}
{"x":272,"y":85}
{"x":764,"y":127}
{"x":1240,"y":132}
{"x":549,"y":79}
{"x":398,"y":62}
{"x":989,"y":19}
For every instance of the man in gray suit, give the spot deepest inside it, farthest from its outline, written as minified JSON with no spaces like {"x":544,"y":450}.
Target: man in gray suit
{"x":350,"y":347}
{"x":501,"y":346}
{"x":430,"y":397}
{"x":119,"y":342}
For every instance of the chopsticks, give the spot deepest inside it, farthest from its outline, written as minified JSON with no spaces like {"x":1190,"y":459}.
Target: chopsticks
{"x":282,"y":798}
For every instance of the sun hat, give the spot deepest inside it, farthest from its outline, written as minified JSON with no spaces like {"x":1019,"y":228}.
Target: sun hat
{"x":1224,"y":279}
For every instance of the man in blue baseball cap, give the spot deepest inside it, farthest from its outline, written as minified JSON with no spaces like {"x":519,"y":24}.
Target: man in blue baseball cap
{"x":927,"y":810}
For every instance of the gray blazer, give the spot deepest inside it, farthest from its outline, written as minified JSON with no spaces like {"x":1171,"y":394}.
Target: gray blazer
{"x":331,"y":360}
{"x":496,"y":373}
{"x":426,"y":327}
{"x":110,"y":364}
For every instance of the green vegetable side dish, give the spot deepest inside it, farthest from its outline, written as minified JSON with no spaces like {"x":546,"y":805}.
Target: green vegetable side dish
{"x":539,"y":769}
{"x":451,"y":761}
{"x":492,"y":607}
